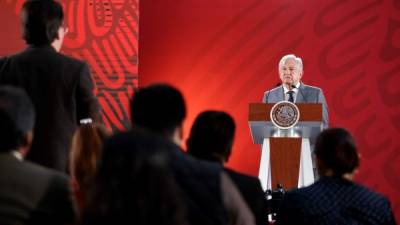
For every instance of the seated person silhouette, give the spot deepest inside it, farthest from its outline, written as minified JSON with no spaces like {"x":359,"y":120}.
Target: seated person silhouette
{"x":335,"y":198}
{"x":29,"y":193}
{"x":133,"y":184}
{"x":211,"y":138}
{"x":85,"y":152}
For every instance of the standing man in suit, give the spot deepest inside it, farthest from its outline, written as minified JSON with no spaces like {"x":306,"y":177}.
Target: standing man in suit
{"x":59,"y":86}
{"x":335,"y":198}
{"x":211,"y":139}
{"x":293,"y":90}
{"x":29,"y":193}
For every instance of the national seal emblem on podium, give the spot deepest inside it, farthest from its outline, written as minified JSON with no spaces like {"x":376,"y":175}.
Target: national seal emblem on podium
{"x":284,"y":114}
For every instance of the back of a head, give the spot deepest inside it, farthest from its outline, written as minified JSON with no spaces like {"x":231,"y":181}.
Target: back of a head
{"x":211,"y":136}
{"x":17,"y":117}
{"x":159,"y":108}
{"x":41,"y":20}
{"x":133,"y":183}
{"x":337,"y":151}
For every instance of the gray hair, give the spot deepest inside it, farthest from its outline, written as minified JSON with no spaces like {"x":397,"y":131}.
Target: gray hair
{"x":298,"y":61}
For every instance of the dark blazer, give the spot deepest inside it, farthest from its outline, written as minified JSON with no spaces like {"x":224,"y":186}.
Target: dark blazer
{"x":32,"y":194}
{"x":61,"y":90}
{"x":250,"y":188}
{"x":306,"y":94}
{"x":200,"y":184}
{"x":334,"y":201}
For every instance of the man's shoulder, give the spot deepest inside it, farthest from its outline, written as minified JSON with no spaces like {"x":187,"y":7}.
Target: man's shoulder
{"x":307,"y":87}
{"x":179,"y":161}
{"x":39,"y":179}
{"x":193,"y":165}
{"x":39,"y":171}
{"x":4,"y":59}
{"x":275,"y":89}
{"x":238,"y":176}
{"x":308,"y":194}
{"x":68,"y":61}
{"x":370,"y":196}
{"x":318,"y":191}
{"x":34,"y":55}
{"x":250,"y":186}
{"x":71,"y":59}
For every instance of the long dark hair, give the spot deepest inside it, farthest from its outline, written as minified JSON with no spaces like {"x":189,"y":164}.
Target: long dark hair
{"x":85,"y":152}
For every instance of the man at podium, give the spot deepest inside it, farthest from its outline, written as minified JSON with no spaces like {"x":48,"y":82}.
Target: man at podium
{"x":293,"y":90}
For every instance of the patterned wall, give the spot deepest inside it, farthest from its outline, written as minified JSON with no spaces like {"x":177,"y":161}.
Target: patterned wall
{"x":104,"y":33}
{"x":223,"y":54}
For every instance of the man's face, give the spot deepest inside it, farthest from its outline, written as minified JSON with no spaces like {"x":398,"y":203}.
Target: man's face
{"x":290,"y":73}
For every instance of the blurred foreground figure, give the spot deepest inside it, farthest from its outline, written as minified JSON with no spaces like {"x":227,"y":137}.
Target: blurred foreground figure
{"x":209,"y":195}
{"x":29,"y":193}
{"x":133,"y":184}
{"x":335,"y":198}
{"x":86,"y":147}
{"x":211,"y":138}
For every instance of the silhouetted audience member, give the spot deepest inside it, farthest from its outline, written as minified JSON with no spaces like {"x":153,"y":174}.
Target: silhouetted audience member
{"x":60,"y":87}
{"x":211,"y":138}
{"x":133,"y":184}
{"x":29,"y":193}
{"x":210,"y":196}
{"x":87,"y":143}
{"x":335,"y":198}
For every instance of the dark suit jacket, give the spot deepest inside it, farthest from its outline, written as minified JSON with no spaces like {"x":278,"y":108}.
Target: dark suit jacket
{"x":334,"y":201}
{"x":250,"y":188}
{"x":204,"y":191}
{"x":61,"y":90}
{"x":31,"y":194}
{"x":200,"y":184}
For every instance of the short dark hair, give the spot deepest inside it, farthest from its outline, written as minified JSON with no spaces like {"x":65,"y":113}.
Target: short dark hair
{"x":17,"y":116}
{"x":159,"y":108}
{"x":211,"y":135}
{"x":336,"y":149}
{"x":41,"y":20}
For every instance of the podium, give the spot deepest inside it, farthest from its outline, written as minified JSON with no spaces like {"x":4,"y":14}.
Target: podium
{"x":286,"y":153}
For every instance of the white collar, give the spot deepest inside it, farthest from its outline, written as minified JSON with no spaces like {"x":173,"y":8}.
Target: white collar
{"x":285,"y":90}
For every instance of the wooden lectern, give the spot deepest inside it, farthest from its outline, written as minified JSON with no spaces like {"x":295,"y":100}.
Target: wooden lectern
{"x":286,"y":154}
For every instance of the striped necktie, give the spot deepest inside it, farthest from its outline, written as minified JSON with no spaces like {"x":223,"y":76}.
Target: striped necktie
{"x":291,"y":97}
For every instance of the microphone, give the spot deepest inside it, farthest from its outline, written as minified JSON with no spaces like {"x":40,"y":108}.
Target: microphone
{"x":304,"y":97}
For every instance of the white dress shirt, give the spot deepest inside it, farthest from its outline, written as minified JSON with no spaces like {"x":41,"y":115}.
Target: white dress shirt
{"x":295,"y":90}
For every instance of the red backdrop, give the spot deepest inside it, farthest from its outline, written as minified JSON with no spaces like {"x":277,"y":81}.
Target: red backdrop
{"x":223,"y":54}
